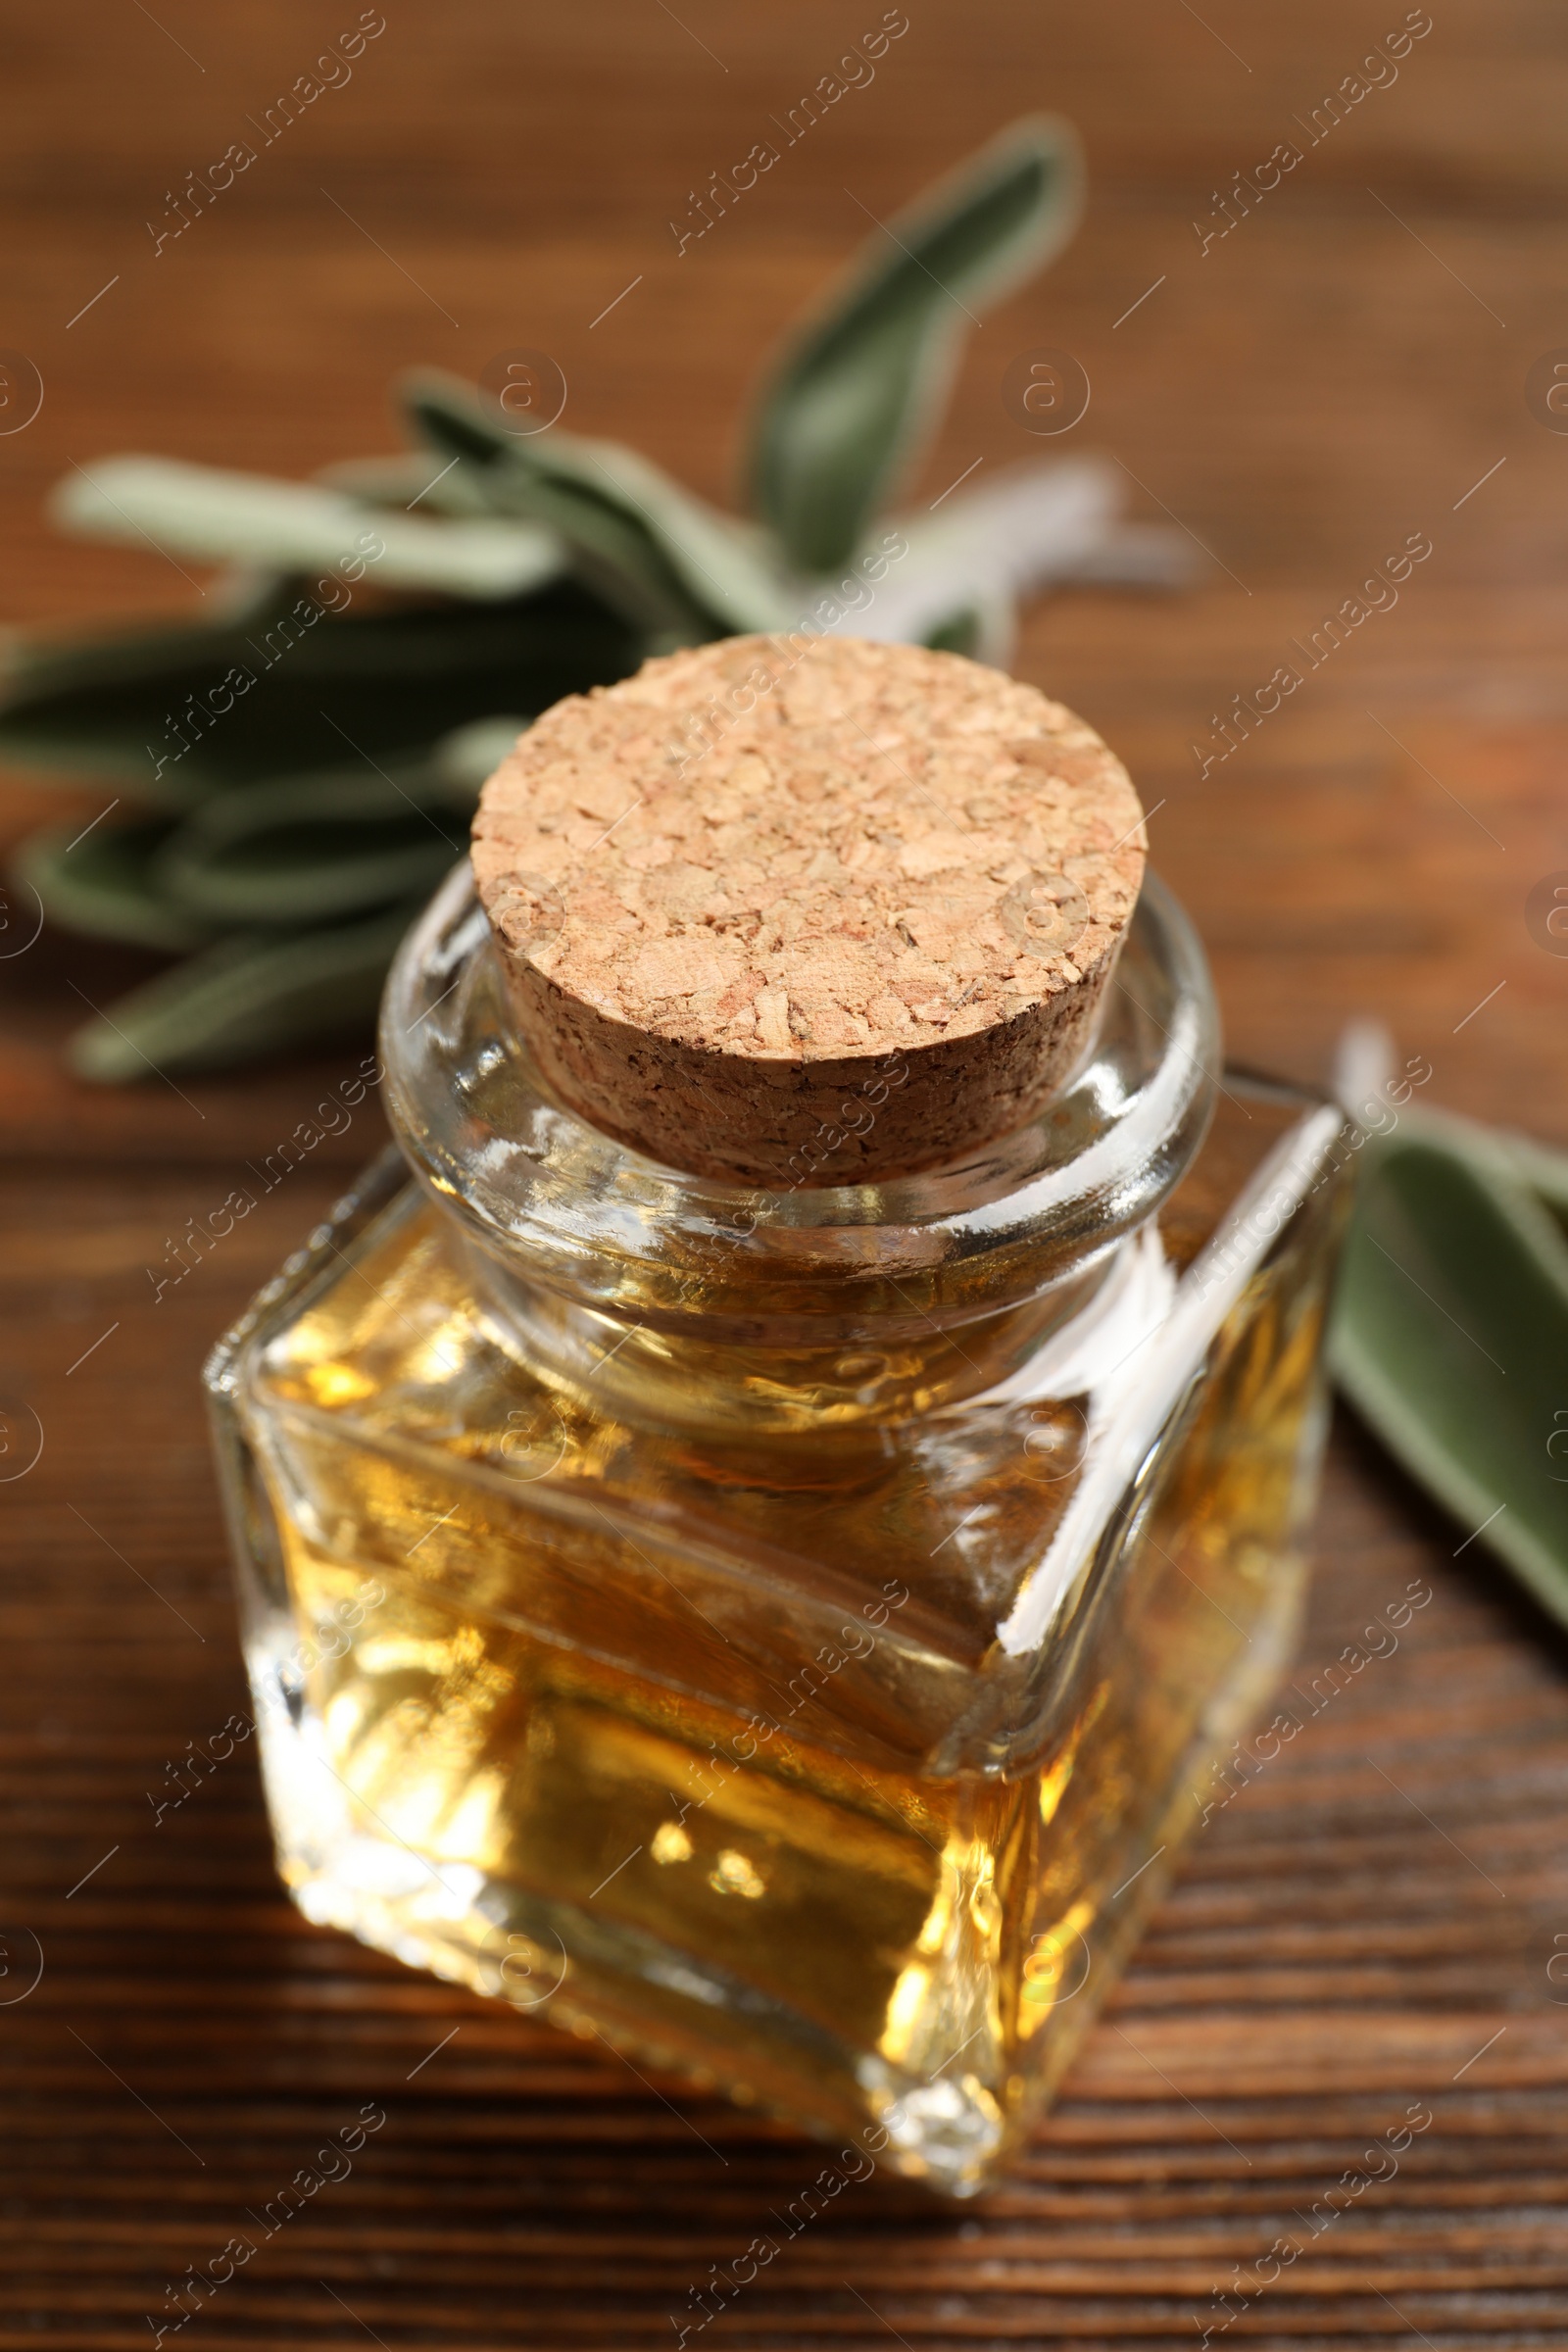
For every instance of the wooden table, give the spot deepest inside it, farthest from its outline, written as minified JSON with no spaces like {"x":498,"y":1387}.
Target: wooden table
{"x":1373,"y":1925}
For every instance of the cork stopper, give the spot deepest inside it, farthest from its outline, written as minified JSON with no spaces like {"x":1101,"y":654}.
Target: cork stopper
{"x":808,"y":911}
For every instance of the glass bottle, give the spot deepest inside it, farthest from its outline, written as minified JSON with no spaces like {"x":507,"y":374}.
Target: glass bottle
{"x":785,"y":1635}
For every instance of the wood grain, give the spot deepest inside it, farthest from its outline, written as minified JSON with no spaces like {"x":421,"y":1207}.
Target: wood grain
{"x":1371,"y":1924}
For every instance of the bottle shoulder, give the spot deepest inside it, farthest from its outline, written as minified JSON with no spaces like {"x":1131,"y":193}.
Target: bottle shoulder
{"x":385,"y":1348}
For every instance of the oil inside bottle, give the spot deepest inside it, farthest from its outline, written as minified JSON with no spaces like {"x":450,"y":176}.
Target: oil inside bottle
{"x":715,"y":1748}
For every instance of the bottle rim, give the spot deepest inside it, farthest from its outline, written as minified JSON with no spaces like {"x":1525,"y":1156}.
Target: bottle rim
{"x":535,"y":1186}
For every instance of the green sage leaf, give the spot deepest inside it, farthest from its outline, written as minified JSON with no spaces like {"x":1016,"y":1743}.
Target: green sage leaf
{"x":249,"y":997}
{"x":406,"y":478}
{"x":674,"y":565}
{"x":468,"y":757}
{"x":172,"y":715}
{"x":1450,"y":1338}
{"x":1542,"y":1171}
{"x":222,"y":518}
{"x":858,"y":393}
{"x":317,"y":848}
{"x":104,"y":883}
{"x":959,"y":633}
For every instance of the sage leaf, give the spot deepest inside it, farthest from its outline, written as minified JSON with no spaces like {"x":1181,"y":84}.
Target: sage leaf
{"x":963,"y":632}
{"x":1451,"y":1335}
{"x":468,"y":757}
{"x":1025,"y":529}
{"x":228,"y":517}
{"x":99,"y":705}
{"x":855,"y":395}
{"x":250,"y":996}
{"x":103,"y":884}
{"x":676,"y":564}
{"x":1540,"y":1170}
{"x":303,"y":689}
{"x":314,"y":847}
{"x":406,"y":478}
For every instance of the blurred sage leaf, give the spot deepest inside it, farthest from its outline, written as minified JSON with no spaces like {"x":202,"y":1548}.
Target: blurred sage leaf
{"x":1541,"y":1170}
{"x":299,"y":688}
{"x":855,"y":395}
{"x":250,"y":996}
{"x":406,"y":478}
{"x":678,"y":565}
{"x":228,"y":517}
{"x":963,"y":632}
{"x":1451,"y":1333}
{"x":103,"y":884}
{"x":314,"y":849}
{"x":983,"y":549}
{"x":963,"y":569}
{"x":470,"y":755}
{"x":378,"y":637}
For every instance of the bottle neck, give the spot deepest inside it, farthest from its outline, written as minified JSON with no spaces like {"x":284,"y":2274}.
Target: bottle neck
{"x":673,"y":1298}
{"x":712,"y":1375}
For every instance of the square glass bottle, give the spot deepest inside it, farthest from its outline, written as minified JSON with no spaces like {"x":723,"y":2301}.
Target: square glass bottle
{"x":774,"y":1631}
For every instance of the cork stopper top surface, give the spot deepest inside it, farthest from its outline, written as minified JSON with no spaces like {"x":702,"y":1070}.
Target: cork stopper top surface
{"x":787,"y":853}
